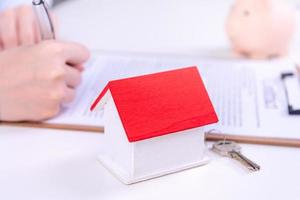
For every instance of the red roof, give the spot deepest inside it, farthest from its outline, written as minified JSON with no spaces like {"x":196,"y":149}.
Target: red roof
{"x":161,"y":103}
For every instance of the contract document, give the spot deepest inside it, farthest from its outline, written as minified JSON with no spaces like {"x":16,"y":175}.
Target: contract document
{"x":248,"y":95}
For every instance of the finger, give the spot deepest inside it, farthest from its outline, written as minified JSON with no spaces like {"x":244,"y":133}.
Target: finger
{"x":25,"y":24}
{"x":69,"y":95}
{"x":75,"y":54}
{"x":8,"y":30}
{"x":72,"y":77}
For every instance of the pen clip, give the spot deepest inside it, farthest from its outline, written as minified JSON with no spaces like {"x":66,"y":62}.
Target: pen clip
{"x":287,"y":81}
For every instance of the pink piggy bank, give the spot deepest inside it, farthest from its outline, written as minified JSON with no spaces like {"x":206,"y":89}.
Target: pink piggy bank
{"x":261,"y":28}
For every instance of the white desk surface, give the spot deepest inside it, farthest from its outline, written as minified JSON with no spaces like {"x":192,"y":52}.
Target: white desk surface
{"x":51,"y":164}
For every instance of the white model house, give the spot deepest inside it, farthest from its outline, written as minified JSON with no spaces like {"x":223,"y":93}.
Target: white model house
{"x":153,"y":124}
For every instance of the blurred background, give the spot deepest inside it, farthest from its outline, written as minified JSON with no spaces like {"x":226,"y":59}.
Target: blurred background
{"x":189,"y":27}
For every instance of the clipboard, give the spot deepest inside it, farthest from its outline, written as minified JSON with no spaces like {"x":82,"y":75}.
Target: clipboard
{"x":211,"y":136}
{"x":70,"y":127}
{"x":291,"y":85}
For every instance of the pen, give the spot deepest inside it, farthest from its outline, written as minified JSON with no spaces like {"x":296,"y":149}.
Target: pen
{"x":44,"y":19}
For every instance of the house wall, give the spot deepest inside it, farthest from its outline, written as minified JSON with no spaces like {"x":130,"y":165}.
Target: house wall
{"x":117,"y":151}
{"x":169,"y":153}
{"x":132,"y":162}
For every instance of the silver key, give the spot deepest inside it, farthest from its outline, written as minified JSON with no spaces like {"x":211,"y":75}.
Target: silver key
{"x":233,"y":150}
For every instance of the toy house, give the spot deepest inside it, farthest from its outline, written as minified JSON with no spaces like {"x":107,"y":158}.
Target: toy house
{"x":153,"y":124}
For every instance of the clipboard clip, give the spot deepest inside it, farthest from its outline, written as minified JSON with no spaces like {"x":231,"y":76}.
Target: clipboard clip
{"x":291,"y":83}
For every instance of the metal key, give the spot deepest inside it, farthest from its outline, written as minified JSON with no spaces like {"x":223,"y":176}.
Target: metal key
{"x":233,"y":150}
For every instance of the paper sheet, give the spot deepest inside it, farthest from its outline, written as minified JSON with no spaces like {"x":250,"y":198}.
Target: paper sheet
{"x":248,"y":95}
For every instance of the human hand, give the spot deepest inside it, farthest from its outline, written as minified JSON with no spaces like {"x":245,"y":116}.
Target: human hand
{"x":18,"y":26}
{"x":36,"y":80}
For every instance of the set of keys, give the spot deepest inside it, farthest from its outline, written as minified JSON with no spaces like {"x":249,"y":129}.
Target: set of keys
{"x":233,"y":150}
